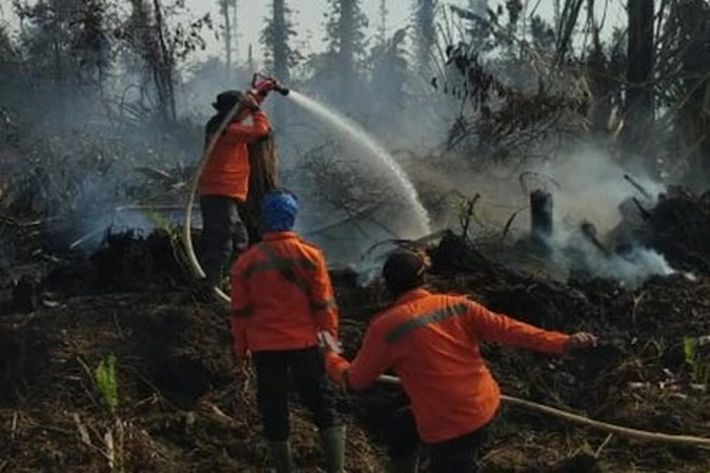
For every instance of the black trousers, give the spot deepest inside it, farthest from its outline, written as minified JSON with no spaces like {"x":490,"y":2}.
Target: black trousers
{"x":223,"y":235}
{"x":458,"y":455}
{"x":274,"y":372}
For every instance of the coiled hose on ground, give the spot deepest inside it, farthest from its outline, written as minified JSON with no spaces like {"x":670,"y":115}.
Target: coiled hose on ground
{"x":615,"y":429}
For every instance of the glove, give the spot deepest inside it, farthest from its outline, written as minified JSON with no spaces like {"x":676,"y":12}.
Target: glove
{"x":262,"y":89}
{"x":251,"y":101}
{"x":328,"y":342}
{"x":581,"y":340}
{"x":335,"y":366}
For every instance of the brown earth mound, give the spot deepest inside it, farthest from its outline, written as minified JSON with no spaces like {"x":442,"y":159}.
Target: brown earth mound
{"x":182,"y":406}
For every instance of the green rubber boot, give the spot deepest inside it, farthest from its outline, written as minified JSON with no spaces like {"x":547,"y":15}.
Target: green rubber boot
{"x":333,"y":445}
{"x":280,"y":458}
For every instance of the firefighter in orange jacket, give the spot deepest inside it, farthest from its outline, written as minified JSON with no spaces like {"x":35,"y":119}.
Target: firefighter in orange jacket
{"x":224,"y":182}
{"x":431,"y":341}
{"x":282,"y":302}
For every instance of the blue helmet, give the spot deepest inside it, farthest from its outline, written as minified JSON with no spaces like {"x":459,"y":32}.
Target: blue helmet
{"x":278,"y":211}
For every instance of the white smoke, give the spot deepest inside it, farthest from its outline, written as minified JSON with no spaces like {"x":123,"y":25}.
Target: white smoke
{"x":587,"y":185}
{"x":591,"y":187}
{"x":633,"y":266}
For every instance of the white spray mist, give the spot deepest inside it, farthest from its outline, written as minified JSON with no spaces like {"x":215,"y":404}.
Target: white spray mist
{"x":379,"y":157}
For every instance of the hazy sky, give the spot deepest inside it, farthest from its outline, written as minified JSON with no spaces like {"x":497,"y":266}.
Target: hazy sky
{"x":308,"y":16}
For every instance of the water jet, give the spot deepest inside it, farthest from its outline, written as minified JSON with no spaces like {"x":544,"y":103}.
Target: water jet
{"x":357,"y":135}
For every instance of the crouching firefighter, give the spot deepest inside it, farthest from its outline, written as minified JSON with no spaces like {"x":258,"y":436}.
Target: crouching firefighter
{"x":282,"y":303}
{"x":432,"y":342}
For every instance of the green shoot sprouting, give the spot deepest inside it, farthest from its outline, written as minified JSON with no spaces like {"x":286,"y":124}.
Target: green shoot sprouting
{"x":107,"y":382}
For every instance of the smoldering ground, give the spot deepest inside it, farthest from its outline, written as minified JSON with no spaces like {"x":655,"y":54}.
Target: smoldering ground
{"x":589,"y":188}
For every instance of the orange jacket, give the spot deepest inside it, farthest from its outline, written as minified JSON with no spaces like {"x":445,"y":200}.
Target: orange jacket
{"x":281,"y":295}
{"x":226,"y":171}
{"x":431,"y":341}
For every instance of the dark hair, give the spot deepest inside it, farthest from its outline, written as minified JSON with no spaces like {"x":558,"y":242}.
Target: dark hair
{"x":263,"y":178}
{"x":223,"y":104}
{"x":226,"y":100}
{"x":404,"y":270}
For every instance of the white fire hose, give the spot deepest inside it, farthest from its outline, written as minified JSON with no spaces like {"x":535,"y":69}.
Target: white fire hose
{"x":577,"y":419}
{"x":199,"y":273}
{"x":187,"y":228}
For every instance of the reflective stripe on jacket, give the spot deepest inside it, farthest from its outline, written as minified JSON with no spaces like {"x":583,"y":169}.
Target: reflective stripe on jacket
{"x":431,"y":341}
{"x":281,"y":295}
{"x":226,"y":171}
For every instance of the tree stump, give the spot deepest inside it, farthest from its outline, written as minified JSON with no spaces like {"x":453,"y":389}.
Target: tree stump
{"x":541,"y":226}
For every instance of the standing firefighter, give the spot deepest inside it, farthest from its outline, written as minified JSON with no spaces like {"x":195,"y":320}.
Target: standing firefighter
{"x":242,"y":159}
{"x":431,"y":341}
{"x":282,"y":303}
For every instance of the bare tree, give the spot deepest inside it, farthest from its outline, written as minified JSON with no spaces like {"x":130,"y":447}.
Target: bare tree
{"x":161,"y":48}
{"x":568,"y":21}
{"x":389,"y":74}
{"x":276,"y":37}
{"x":280,"y":47}
{"x":164,"y":66}
{"x":683,"y":86}
{"x":281,"y":57}
{"x":236,"y":30}
{"x":227,"y":9}
{"x":639,"y":95}
{"x":346,"y":40}
{"x":425,"y":31}
{"x":382,"y":31}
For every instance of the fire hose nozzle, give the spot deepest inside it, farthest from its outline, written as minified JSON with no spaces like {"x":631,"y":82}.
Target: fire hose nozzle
{"x":263,"y":85}
{"x":282,"y":90}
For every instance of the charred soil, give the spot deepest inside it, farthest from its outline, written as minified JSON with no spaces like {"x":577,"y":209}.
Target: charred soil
{"x":182,"y":406}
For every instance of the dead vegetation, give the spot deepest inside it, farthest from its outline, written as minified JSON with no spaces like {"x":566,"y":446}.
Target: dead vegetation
{"x":182,"y":406}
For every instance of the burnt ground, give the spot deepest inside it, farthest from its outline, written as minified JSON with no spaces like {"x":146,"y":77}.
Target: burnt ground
{"x":183,"y":407}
